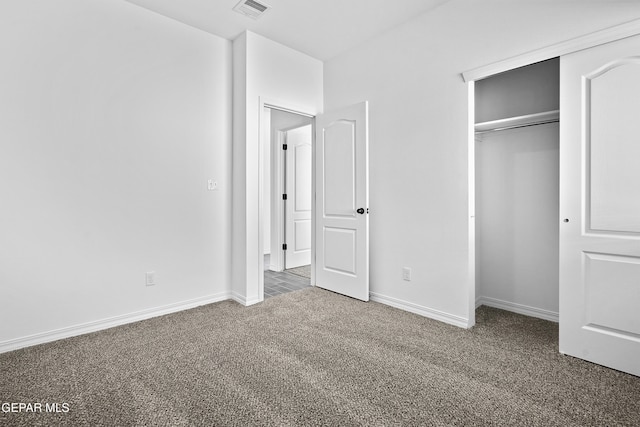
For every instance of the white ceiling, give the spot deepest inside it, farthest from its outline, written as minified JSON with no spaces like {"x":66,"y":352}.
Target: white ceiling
{"x":319,"y":28}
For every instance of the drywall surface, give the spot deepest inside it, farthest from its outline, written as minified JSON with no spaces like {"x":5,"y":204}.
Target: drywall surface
{"x":239,"y":171}
{"x":113,"y":120}
{"x":526,"y":90}
{"x":419,"y":131}
{"x":517,"y":234}
{"x":287,"y":78}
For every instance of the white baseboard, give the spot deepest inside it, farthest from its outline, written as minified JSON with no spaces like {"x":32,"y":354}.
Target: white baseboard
{"x":243,"y":300}
{"x":110,"y":322}
{"x":518,"y":308}
{"x":441,"y":316}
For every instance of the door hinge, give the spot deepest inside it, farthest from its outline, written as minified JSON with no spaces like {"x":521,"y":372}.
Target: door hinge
{"x":284,"y":246}
{"x":284,"y":146}
{"x":284,"y":197}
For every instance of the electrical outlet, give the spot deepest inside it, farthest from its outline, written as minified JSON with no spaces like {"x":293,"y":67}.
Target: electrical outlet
{"x":406,"y":274}
{"x":212,"y":185}
{"x":150,"y":278}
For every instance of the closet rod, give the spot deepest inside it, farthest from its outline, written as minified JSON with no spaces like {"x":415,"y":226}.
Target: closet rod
{"x":518,"y":121}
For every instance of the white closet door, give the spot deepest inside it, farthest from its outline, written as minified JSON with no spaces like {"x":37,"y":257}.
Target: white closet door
{"x":600,"y":205}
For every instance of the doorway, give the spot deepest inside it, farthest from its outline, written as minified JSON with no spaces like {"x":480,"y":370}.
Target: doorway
{"x":287,"y":146}
{"x":517,"y":190}
{"x":339,"y":223}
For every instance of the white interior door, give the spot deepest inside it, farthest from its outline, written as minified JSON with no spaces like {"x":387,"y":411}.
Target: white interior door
{"x":600,"y":205}
{"x":298,"y":203}
{"x":342,"y":223}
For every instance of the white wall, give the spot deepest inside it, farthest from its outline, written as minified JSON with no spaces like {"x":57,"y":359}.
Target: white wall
{"x":419,"y":135}
{"x":113,"y":118}
{"x":284,"y":120}
{"x":526,"y":90}
{"x":517,"y":234}
{"x":269,"y":71}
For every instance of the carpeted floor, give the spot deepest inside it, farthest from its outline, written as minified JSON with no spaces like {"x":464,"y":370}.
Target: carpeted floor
{"x":312,"y":357}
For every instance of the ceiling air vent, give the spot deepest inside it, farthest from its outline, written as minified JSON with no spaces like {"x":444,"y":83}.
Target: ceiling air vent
{"x":251,"y":8}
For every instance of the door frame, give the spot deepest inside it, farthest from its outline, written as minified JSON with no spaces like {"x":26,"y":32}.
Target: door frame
{"x":617,"y":32}
{"x":278,"y":104}
{"x":277,"y":208}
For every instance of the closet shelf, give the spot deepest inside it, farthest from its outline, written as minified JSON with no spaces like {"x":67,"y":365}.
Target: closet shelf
{"x":519,"y":121}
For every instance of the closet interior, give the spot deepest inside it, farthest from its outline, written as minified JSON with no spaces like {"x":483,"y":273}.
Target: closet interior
{"x":517,"y":189}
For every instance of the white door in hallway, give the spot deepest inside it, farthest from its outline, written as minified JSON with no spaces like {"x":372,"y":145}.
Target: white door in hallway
{"x":342,"y":223}
{"x":600,"y":205}
{"x":298,"y":189}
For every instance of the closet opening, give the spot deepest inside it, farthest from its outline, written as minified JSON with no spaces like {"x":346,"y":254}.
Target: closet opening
{"x":517,"y":190}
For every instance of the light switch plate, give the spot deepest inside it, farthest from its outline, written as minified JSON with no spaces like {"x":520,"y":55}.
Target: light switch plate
{"x":150,"y":278}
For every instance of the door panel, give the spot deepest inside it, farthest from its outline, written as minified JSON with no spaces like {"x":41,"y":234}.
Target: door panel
{"x":339,"y":188}
{"x":302,"y":171}
{"x":607,"y":301}
{"x":600,"y":205}
{"x":613,"y":104}
{"x":298,"y":204}
{"x":302,"y":231}
{"x":340,"y":250}
{"x":342,"y":233}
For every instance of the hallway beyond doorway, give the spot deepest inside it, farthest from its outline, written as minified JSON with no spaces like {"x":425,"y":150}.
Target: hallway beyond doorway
{"x":278,"y":283}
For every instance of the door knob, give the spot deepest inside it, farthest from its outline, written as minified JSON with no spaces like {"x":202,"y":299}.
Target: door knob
{"x":360,"y":211}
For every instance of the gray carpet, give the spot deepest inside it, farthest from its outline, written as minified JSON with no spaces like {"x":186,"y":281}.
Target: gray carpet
{"x":302,"y":271}
{"x":316,"y":358}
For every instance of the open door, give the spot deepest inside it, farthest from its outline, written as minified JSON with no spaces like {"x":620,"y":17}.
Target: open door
{"x":600,"y":205}
{"x":298,"y":202}
{"x":342,"y":185}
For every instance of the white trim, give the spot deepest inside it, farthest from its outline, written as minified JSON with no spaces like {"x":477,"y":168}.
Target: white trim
{"x":98,"y":325}
{"x":596,"y":38}
{"x":441,"y":316}
{"x":471,"y":204}
{"x":245,"y":301}
{"x":275,"y":105}
{"x":242,"y":299}
{"x":518,"y":308}
{"x":277,"y":207}
{"x":313,"y":202}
